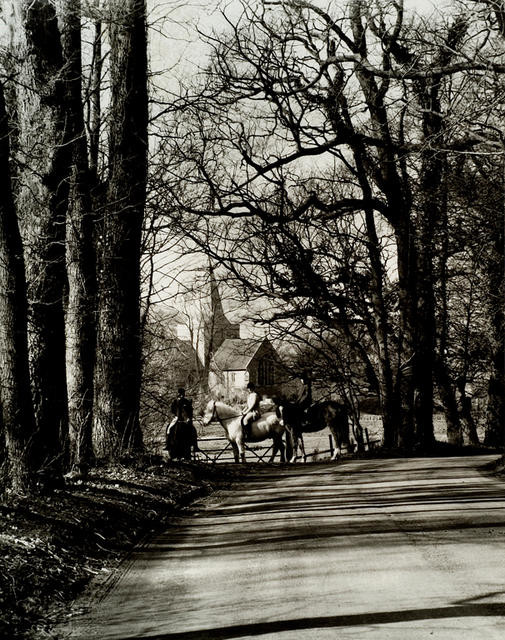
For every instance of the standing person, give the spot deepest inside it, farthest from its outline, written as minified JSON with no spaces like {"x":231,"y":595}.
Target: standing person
{"x":251,"y":411}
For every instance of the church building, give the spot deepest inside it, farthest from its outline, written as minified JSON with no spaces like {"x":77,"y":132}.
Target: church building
{"x":229,"y":361}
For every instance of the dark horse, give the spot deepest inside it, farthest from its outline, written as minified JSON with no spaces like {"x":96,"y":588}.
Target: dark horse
{"x":327,"y":413}
{"x":181,"y":437}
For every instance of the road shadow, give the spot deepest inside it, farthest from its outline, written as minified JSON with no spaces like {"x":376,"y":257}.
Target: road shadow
{"x":473,"y":609}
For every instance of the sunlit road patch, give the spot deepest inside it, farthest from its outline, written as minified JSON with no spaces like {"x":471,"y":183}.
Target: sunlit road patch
{"x":380,"y":549}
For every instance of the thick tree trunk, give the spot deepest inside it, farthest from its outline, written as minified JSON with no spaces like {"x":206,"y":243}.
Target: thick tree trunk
{"x":449,"y":403}
{"x":15,"y":394}
{"x":388,"y":400}
{"x":407,"y":294}
{"x":41,"y":204}
{"x":94,"y":107}
{"x":80,"y":254}
{"x":425,"y":340}
{"x":445,"y":385}
{"x":495,"y":419}
{"x":432,"y":207}
{"x":338,"y":113}
{"x":118,"y":366}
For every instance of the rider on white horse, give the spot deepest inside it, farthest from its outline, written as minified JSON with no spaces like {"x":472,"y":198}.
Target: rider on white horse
{"x":251,"y":411}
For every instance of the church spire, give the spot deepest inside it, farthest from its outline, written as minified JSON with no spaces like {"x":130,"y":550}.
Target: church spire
{"x":217,"y":327}
{"x":216,"y":304}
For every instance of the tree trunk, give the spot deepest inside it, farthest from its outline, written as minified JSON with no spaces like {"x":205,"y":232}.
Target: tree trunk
{"x":338,"y":113}
{"x":449,"y":402}
{"x":80,"y":254}
{"x":15,"y":394}
{"x":446,"y":388}
{"x":431,"y":207}
{"x":495,"y":419}
{"x":425,"y":339}
{"x":407,"y":294}
{"x":41,"y":203}
{"x":118,"y":365}
{"x":94,"y":108}
{"x":385,"y":168}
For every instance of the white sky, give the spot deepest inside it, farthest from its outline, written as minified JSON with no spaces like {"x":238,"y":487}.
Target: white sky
{"x":177,"y":49}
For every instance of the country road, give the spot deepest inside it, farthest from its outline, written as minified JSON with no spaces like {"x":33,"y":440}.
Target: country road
{"x":396,"y":549}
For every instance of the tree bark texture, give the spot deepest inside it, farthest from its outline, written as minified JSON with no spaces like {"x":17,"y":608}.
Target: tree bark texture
{"x":430,"y":200}
{"x":445,"y":385}
{"x":449,"y":403}
{"x":41,"y":201}
{"x":118,"y":365}
{"x":495,"y":418}
{"x":15,"y":394}
{"x":80,"y":253}
{"x":94,"y":109}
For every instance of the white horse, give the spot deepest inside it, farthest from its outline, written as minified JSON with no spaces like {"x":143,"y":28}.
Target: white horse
{"x":267,"y":426}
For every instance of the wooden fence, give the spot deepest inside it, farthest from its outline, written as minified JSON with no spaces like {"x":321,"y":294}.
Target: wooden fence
{"x":221,"y":453}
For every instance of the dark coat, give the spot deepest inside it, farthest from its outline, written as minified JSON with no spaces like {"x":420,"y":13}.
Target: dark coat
{"x":182,"y":407}
{"x":304,"y":398}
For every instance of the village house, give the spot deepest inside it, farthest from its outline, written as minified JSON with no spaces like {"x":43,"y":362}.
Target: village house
{"x":241,"y":360}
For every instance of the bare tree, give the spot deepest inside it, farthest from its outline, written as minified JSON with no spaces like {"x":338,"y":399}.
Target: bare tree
{"x":41,"y":202}
{"x":15,"y":393}
{"x":80,"y":252}
{"x":118,"y":362}
{"x":374,"y":93}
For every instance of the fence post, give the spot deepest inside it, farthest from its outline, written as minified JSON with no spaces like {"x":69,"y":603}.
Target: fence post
{"x":331,"y":445}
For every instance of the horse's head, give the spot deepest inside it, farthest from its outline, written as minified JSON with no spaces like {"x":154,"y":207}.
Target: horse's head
{"x":210,"y":413}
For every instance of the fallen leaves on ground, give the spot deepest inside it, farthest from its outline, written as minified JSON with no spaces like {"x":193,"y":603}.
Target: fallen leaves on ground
{"x":54,"y":542}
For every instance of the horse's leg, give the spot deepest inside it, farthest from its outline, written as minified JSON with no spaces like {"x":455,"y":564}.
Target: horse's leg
{"x":302,"y":446}
{"x":289,"y":443}
{"x":240,"y":449}
{"x":275,"y":448}
{"x":278,"y":446}
{"x":282,"y":449}
{"x":234,"y":447}
{"x":338,"y":450}
{"x":295,"y":436}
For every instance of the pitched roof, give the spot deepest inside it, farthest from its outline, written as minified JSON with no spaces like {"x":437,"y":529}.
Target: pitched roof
{"x":235,"y":354}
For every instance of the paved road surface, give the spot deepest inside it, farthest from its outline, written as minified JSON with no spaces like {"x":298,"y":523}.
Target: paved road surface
{"x":383,"y":549}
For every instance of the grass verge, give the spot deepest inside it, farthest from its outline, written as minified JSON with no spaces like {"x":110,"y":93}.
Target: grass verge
{"x":53,"y":543}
